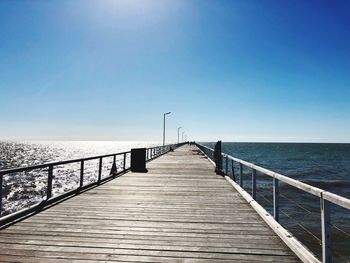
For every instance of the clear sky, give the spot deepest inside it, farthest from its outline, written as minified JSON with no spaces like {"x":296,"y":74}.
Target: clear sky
{"x":239,"y":70}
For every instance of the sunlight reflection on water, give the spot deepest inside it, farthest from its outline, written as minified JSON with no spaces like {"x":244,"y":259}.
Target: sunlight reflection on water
{"x":27,"y":188}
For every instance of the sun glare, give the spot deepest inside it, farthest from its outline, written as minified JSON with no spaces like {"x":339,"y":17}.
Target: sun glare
{"x":133,"y":6}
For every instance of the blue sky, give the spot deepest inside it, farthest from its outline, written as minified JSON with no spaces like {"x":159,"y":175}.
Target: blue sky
{"x":232,"y":70}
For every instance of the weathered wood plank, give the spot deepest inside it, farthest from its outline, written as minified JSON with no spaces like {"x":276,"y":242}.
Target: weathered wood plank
{"x":42,"y":256}
{"x":240,"y":243}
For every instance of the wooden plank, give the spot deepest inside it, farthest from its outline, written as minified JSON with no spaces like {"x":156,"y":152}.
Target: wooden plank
{"x":126,"y":239}
{"x":179,"y":210}
{"x":177,"y":236}
{"x":116,"y":246}
{"x":199,"y":254}
{"x":42,"y":256}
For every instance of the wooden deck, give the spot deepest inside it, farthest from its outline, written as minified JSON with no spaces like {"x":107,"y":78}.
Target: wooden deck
{"x":180,"y":211}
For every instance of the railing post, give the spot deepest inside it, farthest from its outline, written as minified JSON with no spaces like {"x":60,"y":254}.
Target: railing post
{"x":276,"y":199}
{"x":124,"y":161}
{"x":233,"y":171}
{"x":226,"y":159}
{"x":49,"y":183}
{"x":81,"y":174}
{"x":254,"y":184}
{"x":100,"y":170}
{"x":326,"y":230}
{"x":240,"y":175}
{"x":114,"y":168}
{"x":218,"y":158}
{"x":1,"y":178}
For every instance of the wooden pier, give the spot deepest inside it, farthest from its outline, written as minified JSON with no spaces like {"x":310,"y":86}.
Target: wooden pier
{"x":180,"y":211}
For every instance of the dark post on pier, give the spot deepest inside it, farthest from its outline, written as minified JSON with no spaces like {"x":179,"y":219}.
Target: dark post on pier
{"x":138,"y":160}
{"x":180,"y":211}
{"x":218,"y":158}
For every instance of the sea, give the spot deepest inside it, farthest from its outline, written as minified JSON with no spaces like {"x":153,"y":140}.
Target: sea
{"x":323,"y":165}
{"x":21,"y":190}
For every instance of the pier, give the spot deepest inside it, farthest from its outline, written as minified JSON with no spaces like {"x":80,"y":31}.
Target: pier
{"x":179,"y":211}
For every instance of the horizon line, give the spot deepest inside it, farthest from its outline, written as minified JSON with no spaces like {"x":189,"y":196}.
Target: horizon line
{"x":160,"y":141}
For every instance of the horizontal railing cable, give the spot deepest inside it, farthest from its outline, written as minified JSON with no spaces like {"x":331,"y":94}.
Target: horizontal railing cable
{"x":308,"y":231}
{"x":310,"y":215}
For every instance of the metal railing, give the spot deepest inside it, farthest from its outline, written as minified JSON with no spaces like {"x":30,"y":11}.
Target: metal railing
{"x":326,"y":198}
{"x":49,"y":168}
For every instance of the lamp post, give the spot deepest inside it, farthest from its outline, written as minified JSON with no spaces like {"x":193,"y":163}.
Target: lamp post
{"x":183,"y":136}
{"x":164,"y":126}
{"x":178,"y":135}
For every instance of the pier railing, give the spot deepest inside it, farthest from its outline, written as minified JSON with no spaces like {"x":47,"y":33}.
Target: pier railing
{"x":116,"y":164}
{"x":327,"y":199}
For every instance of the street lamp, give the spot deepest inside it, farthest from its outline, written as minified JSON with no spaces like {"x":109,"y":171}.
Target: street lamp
{"x":178,"y":133}
{"x":164,"y":127}
{"x":183,"y":136}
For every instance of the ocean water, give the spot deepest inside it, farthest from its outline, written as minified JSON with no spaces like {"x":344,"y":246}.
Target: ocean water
{"x":15,"y":154}
{"x":23,"y":189}
{"x":326,"y":166}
